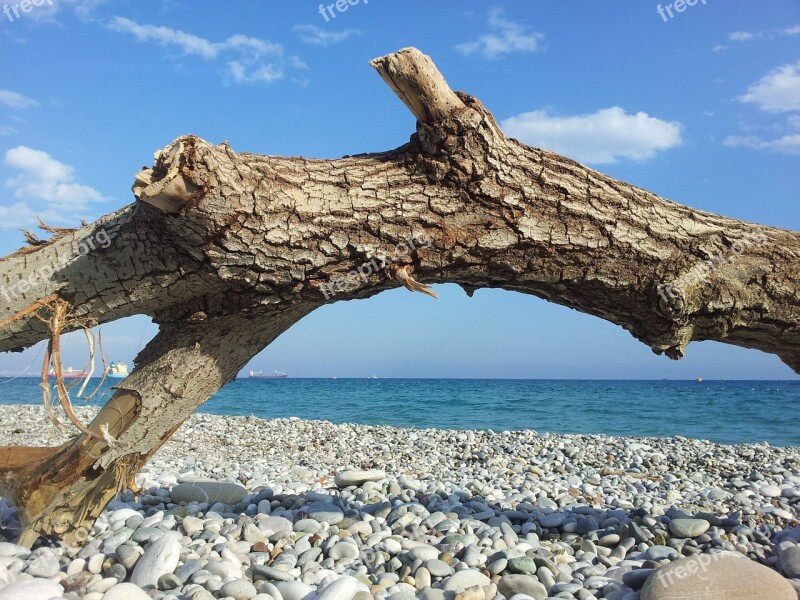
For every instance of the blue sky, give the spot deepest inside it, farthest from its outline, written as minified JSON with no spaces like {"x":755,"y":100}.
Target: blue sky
{"x":702,"y":107}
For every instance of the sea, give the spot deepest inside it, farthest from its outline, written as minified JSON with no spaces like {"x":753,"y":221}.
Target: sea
{"x":727,"y":412}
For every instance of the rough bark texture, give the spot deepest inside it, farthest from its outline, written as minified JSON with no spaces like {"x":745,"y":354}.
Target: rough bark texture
{"x":226,"y":250}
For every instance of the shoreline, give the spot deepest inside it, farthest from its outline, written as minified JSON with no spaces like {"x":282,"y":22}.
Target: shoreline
{"x":492,"y":508}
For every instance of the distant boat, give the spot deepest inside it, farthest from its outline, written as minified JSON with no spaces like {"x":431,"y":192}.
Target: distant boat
{"x":260,"y":375}
{"x":373,"y":376}
{"x":70,"y":373}
{"x":699,"y":380}
{"x":117,"y":370}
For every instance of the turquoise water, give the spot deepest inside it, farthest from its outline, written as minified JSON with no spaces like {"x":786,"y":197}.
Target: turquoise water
{"x":722,"y":411}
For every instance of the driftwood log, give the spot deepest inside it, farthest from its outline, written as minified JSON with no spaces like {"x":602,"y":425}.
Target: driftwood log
{"x":227,"y":250}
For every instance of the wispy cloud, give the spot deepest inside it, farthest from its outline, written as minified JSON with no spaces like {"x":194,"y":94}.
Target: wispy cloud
{"x":46,"y":185}
{"x":247,"y":59}
{"x":16,"y":101}
{"x":605,"y":136}
{"x":505,"y":37}
{"x":6,"y":130}
{"x":311,"y":34}
{"x":788,"y":144}
{"x":770,"y":34}
{"x":778,"y":91}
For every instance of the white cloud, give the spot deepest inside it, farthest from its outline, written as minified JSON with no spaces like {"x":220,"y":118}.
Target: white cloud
{"x":771,"y":34}
{"x":741,"y":36}
{"x":310,"y":34}
{"x":6,"y":130}
{"x":598,"y":138}
{"x":506,"y":37}
{"x":47,"y":12}
{"x":788,"y":144}
{"x":248,"y":59}
{"x":777,"y":91}
{"x":47,"y":184}
{"x":16,"y":101}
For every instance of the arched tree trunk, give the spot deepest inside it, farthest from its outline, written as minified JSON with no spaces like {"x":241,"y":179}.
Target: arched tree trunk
{"x":226,"y":250}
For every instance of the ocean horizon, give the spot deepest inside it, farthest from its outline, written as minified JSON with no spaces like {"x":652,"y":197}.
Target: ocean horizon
{"x":722,"y":411}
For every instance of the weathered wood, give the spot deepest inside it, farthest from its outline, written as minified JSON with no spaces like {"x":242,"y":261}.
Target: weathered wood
{"x":226,"y":250}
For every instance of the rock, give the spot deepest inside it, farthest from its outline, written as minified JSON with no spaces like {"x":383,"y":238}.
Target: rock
{"x":347,"y":478}
{"x":168,"y":581}
{"x":325,"y":512}
{"x":128,"y":556}
{"x":438,"y":568}
{"x":271,"y":573}
{"x":208,"y":491}
{"x":238,"y":589}
{"x":522,"y":564}
{"x":790,"y":562}
{"x":160,"y":558}
{"x":341,"y":589}
{"x":770,"y":491}
{"x":293,"y":590}
{"x":9,"y":549}
{"x":45,"y":565}
{"x":466,"y":579}
{"x":716,"y":577}
{"x":423,"y":552}
{"x":688,"y":528}
{"x":552,"y":520}
{"x":125,"y":591}
{"x":343,"y":550}
{"x":31,"y":589}
{"x":510,"y":585}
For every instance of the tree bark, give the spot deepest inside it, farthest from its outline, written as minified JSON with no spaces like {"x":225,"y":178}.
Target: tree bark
{"x":226,"y":250}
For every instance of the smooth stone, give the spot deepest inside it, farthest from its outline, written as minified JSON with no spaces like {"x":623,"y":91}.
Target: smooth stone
{"x":770,"y":491}
{"x":635,"y":579}
{"x":511,"y":585}
{"x":293,"y":590}
{"x":438,"y":568}
{"x":552,"y":520}
{"x":45,"y":565}
{"x":688,"y":528}
{"x":31,"y":589}
{"x":168,"y":581}
{"x":160,"y":558}
{"x":465,"y":579}
{"x":790,"y":562}
{"x":716,"y":577}
{"x":522,"y":564}
{"x":127,"y":555}
{"x":348,"y":478}
{"x":341,"y":589}
{"x":271,"y":573}
{"x":325,"y":512}
{"x":238,"y":589}
{"x":125,"y":591}
{"x":343,"y":550}
{"x":660,"y":553}
{"x":208,"y":491}
{"x":9,"y":549}
{"x":423,"y":552}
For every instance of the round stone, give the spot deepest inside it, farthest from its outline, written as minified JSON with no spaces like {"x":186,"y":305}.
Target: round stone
{"x":716,"y":577}
{"x":688,"y":528}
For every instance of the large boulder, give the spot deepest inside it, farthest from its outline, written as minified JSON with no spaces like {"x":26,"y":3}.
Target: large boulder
{"x":716,"y":577}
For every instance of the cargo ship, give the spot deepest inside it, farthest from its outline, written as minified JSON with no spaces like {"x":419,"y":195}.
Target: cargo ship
{"x":117,"y":370}
{"x":260,"y":375}
{"x":70,"y":373}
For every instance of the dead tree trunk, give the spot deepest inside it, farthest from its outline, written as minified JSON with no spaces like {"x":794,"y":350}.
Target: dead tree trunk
{"x":227,"y":250}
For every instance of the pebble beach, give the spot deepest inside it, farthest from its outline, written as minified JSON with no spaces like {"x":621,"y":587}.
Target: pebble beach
{"x":243,"y":508}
